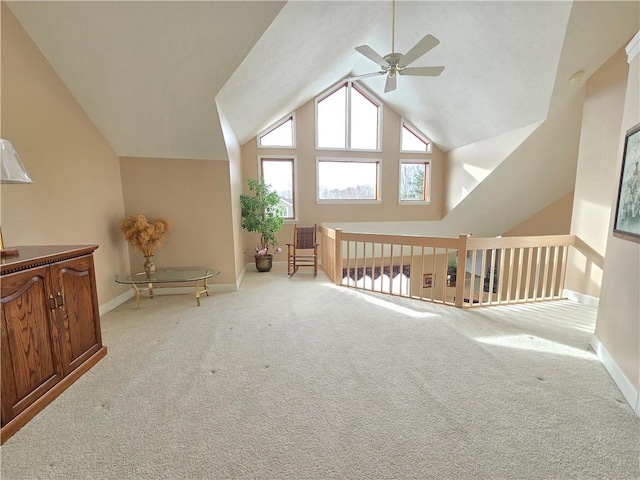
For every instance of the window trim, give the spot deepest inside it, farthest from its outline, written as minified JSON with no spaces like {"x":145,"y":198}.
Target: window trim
{"x":377,"y":161}
{"x":418,"y":161}
{"x":369,"y":96}
{"x":405,"y":124}
{"x":274,"y":126}
{"x":294,"y":160}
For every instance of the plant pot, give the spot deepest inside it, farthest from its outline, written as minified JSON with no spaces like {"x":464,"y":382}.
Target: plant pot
{"x":264,"y":262}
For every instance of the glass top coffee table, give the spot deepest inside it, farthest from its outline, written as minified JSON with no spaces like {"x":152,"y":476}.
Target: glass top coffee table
{"x":194,"y":275}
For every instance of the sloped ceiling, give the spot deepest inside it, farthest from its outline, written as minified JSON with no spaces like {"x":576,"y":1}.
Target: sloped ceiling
{"x":147,"y":73}
{"x":500,"y":59}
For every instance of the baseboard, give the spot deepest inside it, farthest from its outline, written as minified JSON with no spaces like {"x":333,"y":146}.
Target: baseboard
{"x":115,"y":302}
{"x":582,"y":298}
{"x":628,"y":390}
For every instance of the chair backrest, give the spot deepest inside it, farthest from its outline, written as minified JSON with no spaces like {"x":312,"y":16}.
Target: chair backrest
{"x":304,"y":237}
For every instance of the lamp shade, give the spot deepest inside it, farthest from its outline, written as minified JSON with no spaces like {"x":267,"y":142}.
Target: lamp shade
{"x":12,"y":169}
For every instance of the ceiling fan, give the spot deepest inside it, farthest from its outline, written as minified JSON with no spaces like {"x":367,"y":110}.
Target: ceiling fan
{"x":395,"y":64}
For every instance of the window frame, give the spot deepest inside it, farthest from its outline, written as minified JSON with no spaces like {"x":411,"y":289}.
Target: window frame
{"x":369,"y":96}
{"x":285,"y":158}
{"x":427,"y":185}
{"x":351,"y":201}
{"x":405,"y":124}
{"x":276,"y":125}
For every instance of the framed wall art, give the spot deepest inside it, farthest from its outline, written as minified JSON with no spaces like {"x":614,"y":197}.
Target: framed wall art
{"x":627,"y":220}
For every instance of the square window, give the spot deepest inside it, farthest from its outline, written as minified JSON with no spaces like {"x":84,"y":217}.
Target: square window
{"x":348,"y":180}
{"x":414,"y":182}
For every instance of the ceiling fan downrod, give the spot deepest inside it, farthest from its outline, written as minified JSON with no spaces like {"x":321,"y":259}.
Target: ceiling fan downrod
{"x":393,"y":25}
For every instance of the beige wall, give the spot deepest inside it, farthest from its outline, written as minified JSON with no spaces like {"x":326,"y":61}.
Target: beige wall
{"x":310,"y":212}
{"x":618,"y":321}
{"x":194,"y":195}
{"x":552,"y":220}
{"x":468,"y":166}
{"x":596,"y":174}
{"x":76,"y":197}
{"x":235,"y":181}
{"x":539,"y":170}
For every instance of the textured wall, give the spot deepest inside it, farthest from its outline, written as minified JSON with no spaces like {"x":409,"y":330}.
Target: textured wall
{"x":596,"y":174}
{"x":618,"y":322}
{"x":76,"y":197}
{"x":195,"y":196}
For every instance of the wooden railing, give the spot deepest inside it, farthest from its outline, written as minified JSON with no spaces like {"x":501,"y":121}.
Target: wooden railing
{"x":493,"y":271}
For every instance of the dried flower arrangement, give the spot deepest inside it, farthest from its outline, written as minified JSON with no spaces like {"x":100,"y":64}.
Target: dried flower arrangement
{"x":142,"y":235}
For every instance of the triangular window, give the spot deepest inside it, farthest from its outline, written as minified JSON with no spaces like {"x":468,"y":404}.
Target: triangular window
{"x":413,"y":140}
{"x":280,"y":134}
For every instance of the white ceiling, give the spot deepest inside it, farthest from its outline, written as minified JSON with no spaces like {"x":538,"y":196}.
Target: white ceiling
{"x":148,"y":73}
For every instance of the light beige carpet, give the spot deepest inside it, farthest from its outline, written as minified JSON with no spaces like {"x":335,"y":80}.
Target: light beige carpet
{"x":299,"y":379}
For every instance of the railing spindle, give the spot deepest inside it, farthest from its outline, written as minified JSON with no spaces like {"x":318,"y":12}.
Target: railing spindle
{"x":563,"y":269}
{"x":527,"y":283}
{"x":554,"y":273}
{"x":483,"y":270}
{"x":460,"y":274}
{"x":492,"y":275}
{"x":519,"y":277}
{"x":545,"y":279}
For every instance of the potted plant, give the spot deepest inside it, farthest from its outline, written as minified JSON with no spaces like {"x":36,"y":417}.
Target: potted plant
{"x":262,"y":214}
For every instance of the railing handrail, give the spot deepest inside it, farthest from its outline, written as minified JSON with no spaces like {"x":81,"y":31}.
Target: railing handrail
{"x":408,"y":240}
{"x":480,"y":243}
{"x":517,"y":275}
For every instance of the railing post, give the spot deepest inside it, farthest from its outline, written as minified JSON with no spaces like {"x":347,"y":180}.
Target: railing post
{"x":461,"y":272}
{"x":337,"y":263}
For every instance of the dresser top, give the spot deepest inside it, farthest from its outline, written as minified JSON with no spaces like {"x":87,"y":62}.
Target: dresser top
{"x":35,"y":255}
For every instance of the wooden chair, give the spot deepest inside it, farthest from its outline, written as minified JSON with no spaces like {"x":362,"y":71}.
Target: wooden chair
{"x":303,"y":239}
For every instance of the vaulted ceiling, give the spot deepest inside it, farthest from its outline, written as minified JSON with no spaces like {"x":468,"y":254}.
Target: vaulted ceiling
{"x":151,"y":75}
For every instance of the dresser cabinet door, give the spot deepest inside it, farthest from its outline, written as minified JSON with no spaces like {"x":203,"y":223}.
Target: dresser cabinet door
{"x":31,"y":357}
{"x":74,"y":281}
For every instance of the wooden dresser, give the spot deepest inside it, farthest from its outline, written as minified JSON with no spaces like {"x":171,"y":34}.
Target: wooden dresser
{"x":50,"y":328}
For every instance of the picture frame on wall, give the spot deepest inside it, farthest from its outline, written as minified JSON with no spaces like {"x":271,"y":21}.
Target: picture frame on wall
{"x":627,"y":219}
{"x":427,"y":280}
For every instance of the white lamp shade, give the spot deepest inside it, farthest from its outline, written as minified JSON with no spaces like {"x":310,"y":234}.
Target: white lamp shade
{"x":12,"y":169}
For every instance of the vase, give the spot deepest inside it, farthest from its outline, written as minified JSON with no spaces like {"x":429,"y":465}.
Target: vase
{"x":149,"y":266}
{"x":264,"y":262}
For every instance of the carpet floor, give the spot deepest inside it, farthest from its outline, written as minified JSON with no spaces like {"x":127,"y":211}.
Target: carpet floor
{"x":295,"y":378}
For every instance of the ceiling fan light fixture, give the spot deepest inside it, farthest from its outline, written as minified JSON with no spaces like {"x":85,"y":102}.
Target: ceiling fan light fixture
{"x":395,"y":63}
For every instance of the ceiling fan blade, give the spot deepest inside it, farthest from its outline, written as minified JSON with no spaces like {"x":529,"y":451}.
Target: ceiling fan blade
{"x":370,"y":53}
{"x":390,"y":84}
{"x":420,"y":48}
{"x":423,"y":71}
{"x":366,"y":75}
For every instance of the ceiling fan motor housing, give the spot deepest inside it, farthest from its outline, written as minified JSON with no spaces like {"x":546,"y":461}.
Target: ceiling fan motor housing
{"x":392,"y":59}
